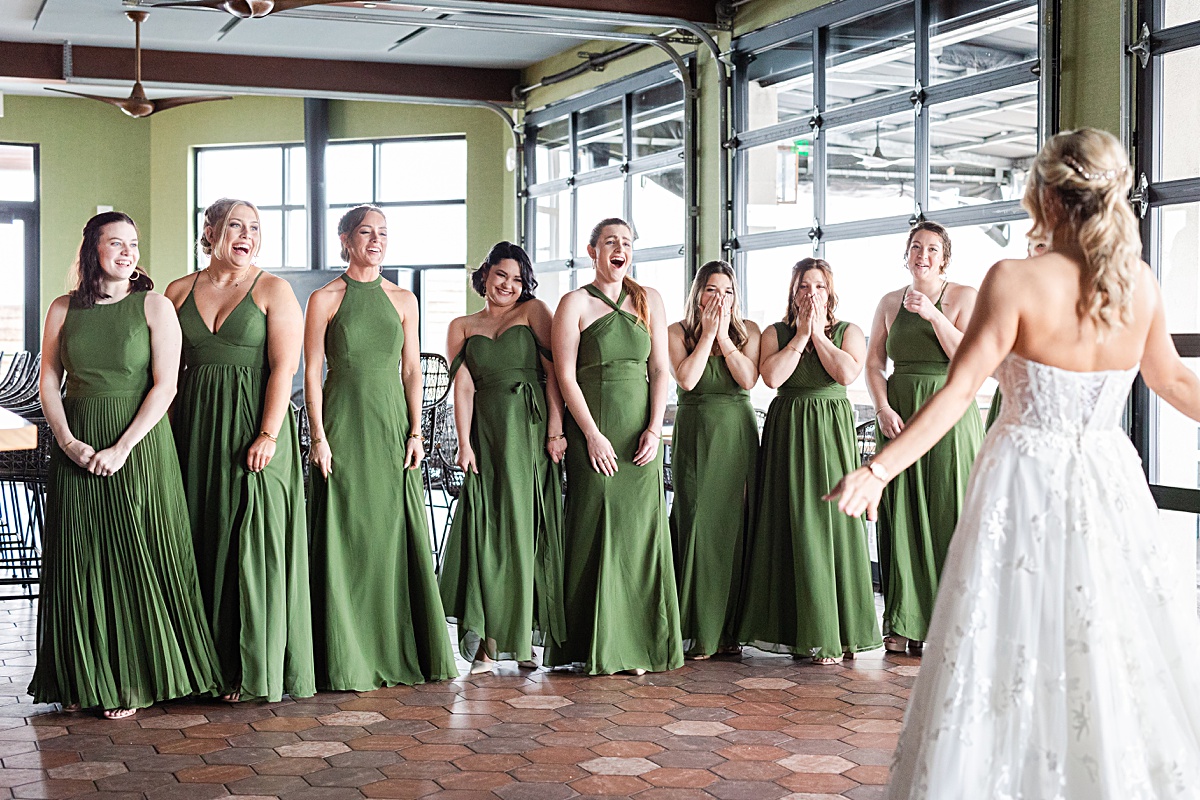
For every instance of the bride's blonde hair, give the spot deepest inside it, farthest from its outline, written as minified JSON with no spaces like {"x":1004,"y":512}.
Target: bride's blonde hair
{"x":1079,"y":183}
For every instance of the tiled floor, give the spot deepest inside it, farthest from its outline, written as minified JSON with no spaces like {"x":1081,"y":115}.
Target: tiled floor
{"x":760,"y":728}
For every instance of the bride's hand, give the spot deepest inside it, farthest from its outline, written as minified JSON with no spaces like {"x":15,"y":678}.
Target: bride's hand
{"x":856,"y":492}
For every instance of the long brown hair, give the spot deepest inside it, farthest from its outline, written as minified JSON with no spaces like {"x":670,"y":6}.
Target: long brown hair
{"x":691,"y":318}
{"x":802,"y":266}
{"x":637,"y":294}
{"x":87,"y":273}
{"x":1087,"y":176}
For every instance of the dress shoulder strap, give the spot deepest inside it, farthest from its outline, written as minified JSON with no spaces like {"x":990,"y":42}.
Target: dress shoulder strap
{"x":457,"y":361}
{"x":594,"y":291}
{"x":945,"y":285}
{"x":195,"y":278}
{"x":256,"y":277}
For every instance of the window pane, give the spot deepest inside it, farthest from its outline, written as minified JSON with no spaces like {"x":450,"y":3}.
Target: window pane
{"x":871,"y":169}
{"x":443,"y":297}
{"x":297,"y":188}
{"x":598,"y":201}
{"x":1179,"y":561}
{"x":780,"y":84}
{"x":17,"y":178}
{"x":768,"y":275}
{"x":658,"y":119}
{"x":780,"y":185}
{"x":870,"y":57}
{"x":552,"y":227}
{"x":297,"y":241}
{"x":406,"y":278}
{"x":423,"y":170}
{"x":601,"y":136}
{"x":349,"y":173}
{"x":552,"y":153}
{"x":553,"y":285}
{"x":12,"y":286}
{"x":1177,"y":12}
{"x":1180,"y":115}
{"x":584,"y":276}
{"x":1179,"y":229}
{"x":981,"y":147}
{"x":442,"y":239}
{"x":270,"y":253}
{"x":1178,"y":443}
{"x":667,"y":278}
{"x":247,"y":173}
{"x":967,"y":37}
{"x":658,"y":207}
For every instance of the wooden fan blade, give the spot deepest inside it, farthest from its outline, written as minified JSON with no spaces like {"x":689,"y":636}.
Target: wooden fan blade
{"x":112,"y":101}
{"x":217,"y":4}
{"x":288,"y":5}
{"x":165,"y":103}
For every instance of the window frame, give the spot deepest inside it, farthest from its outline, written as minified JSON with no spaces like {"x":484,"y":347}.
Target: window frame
{"x":30,"y":213}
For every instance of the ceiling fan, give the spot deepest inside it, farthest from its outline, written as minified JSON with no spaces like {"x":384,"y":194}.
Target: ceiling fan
{"x":137,"y":105}
{"x":247,"y":9}
{"x":877,"y":159}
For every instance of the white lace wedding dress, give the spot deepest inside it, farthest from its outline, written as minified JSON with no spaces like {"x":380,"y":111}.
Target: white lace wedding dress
{"x":1059,"y":666}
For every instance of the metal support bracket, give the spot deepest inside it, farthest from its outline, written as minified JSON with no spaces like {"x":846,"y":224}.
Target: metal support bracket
{"x":917,"y":97}
{"x":815,"y":233}
{"x":1139,"y":196}
{"x":68,"y":62}
{"x":1142,"y":48}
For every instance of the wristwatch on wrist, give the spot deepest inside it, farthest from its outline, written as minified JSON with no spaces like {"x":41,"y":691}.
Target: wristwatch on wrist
{"x":879,"y":471}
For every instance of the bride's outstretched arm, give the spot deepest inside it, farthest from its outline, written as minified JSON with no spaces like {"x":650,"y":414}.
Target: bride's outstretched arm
{"x":989,"y":338}
{"x":1162,"y":368}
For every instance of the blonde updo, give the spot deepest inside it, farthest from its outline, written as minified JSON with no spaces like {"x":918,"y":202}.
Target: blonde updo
{"x":1079,"y":186}
{"x":216,"y":216}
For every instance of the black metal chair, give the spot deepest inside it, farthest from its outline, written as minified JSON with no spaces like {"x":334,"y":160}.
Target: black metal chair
{"x":23,"y":478}
{"x":435,"y":387}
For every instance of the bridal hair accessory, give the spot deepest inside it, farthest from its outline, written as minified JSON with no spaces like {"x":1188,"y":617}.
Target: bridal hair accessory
{"x":1106,"y":175}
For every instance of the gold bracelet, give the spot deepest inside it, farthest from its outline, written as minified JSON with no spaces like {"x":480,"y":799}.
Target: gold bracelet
{"x":655,"y":433}
{"x":318,"y":441}
{"x":268,"y":436}
{"x":556,"y":438}
{"x":417,"y":436}
{"x":64,"y":447}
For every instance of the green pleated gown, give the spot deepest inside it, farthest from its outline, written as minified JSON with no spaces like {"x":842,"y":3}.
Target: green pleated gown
{"x":377,"y":617}
{"x":920,"y":507}
{"x":120,"y":620}
{"x":502,"y":573}
{"x":808,"y":570}
{"x":248,"y":529}
{"x":714,"y":447}
{"x":621,"y":607}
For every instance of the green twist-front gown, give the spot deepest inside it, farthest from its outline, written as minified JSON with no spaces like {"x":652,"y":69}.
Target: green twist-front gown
{"x":502,"y":572}
{"x":120,"y":620}
{"x":622,"y":611}
{"x":808,"y":570}
{"x":920,"y":507}
{"x":714,"y":446}
{"x":377,"y":617}
{"x":248,"y":528}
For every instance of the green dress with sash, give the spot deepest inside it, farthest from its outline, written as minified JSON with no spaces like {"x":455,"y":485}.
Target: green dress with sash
{"x":120,"y":621}
{"x":248,"y":528}
{"x":808,"y":569}
{"x":377,"y":617}
{"x":502,"y":573}
{"x":920,"y":507}
{"x":621,"y":607}
{"x":714,"y":446}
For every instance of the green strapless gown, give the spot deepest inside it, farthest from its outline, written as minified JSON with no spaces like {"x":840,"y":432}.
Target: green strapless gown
{"x":808,"y":571}
{"x":377,"y":617}
{"x":993,"y":410}
{"x":920,"y":507}
{"x":120,"y":621}
{"x":502,"y":572}
{"x":622,"y":610}
{"x":714,"y":447}
{"x":248,"y":529}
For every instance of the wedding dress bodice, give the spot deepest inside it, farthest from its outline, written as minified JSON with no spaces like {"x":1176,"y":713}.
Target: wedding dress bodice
{"x":1060,"y":402}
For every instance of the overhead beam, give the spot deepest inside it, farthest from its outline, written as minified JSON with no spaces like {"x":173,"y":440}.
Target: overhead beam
{"x":44,"y":62}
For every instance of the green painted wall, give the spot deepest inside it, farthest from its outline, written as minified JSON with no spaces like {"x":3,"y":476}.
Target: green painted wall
{"x":90,"y":155}
{"x":1093,"y":50}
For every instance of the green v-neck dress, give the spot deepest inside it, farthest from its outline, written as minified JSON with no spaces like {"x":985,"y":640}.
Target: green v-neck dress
{"x":919,"y":508}
{"x":714,"y":447}
{"x":248,"y":528}
{"x":808,"y":569}
{"x":120,"y":621}
{"x":622,"y":611}
{"x":377,"y":617}
{"x":502,"y":572}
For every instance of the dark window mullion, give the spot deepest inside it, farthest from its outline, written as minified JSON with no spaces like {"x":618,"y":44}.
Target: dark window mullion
{"x":921,"y":149}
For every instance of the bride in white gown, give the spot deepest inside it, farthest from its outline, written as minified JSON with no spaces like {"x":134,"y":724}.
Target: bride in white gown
{"x":1059,"y":666}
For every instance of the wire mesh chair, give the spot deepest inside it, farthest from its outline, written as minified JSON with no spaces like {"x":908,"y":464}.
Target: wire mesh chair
{"x":865,"y":434}
{"x":444,"y":455}
{"x":23,"y":478}
{"x":435,"y":387}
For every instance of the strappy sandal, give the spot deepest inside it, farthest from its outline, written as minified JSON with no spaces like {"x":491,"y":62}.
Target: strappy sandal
{"x":827,"y":661}
{"x":894,"y":644}
{"x":119,"y":713}
{"x":916,"y":647}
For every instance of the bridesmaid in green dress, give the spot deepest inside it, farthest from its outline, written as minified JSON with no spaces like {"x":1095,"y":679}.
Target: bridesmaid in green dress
{"x":808,"y":587}
{"x":237,"y":443}
{"x":610,"y":352}
{"x":502,"y":573}
{"x":120,"y":621}
{"x":919,"y":328}
{"x":377,"y":616}
{"x":714,"y":356}
{"x":1036,"y":248}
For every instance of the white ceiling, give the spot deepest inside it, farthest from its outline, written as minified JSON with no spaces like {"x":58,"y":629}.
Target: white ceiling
{"x":346,"y":31}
